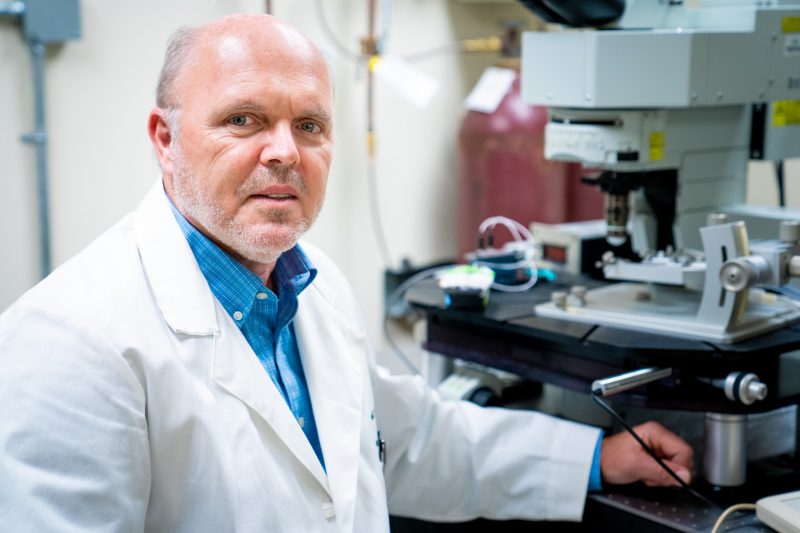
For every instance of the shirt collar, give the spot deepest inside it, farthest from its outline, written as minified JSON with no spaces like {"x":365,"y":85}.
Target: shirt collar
{"x":236,"y":287}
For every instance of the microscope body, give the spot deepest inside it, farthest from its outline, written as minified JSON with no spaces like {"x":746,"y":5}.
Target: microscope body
{"x":664,"y":108}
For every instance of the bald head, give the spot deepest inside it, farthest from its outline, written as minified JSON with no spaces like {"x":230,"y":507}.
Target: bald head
{"x":230,"y":38}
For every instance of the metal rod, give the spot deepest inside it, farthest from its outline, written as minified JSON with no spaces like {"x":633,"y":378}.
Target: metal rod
{"x":629,"y":380}
{"x":39,"y":139}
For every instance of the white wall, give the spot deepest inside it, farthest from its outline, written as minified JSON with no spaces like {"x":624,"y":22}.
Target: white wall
{"x":100,"y":88}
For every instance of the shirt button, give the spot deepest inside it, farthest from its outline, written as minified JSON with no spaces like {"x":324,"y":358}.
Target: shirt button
{"x":301,"y":421}
{"x":328,"y":510}
{"x":237,"y":315}
{"x":261,"y":295}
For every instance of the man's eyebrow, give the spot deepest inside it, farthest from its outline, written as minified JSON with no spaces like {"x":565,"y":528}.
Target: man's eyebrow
{"x":319,"y":114}
{"x":240,"y":106}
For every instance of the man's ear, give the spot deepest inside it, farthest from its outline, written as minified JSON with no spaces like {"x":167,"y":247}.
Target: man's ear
{"x":161,"y":137}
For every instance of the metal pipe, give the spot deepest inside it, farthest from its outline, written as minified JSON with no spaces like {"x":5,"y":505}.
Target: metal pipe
{"x":39,"y":138}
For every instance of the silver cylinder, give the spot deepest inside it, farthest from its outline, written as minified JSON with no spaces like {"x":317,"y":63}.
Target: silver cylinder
{"x":725,"y":456}
{"x":744,"y":272}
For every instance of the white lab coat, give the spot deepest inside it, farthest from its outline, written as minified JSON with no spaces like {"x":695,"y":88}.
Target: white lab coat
{"x":130,"y":401}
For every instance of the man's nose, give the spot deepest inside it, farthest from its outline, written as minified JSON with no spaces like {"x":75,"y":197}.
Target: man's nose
{"x":280,"y":146}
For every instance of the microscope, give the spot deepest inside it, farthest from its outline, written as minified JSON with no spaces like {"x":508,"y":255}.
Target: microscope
{"x":664,"y":103}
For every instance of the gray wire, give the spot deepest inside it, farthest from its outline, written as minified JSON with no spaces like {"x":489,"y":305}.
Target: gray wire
{"x":375,"y":212}
{"x":331,"y":35}
{"x":390,"y":301}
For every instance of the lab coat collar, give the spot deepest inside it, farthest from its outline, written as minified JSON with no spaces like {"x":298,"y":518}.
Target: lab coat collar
{"x":178,"y":285}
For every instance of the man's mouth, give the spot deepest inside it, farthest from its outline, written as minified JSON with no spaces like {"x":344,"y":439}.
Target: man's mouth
{"x":275,"y":196}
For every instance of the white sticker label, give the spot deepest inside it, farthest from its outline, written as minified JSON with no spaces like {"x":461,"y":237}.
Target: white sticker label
{"x":791,"y":45}
{"x":490,"y":90}
{"x":413,"y":84}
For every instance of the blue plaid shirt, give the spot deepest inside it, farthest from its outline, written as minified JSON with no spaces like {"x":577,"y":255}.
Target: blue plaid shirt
{"x":264,"y":318}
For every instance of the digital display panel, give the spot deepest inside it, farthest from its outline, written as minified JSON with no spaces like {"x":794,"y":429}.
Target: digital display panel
{"x":556,"y":254}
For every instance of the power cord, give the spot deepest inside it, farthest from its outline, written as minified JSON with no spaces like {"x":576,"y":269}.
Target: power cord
{"x":729,"y":511}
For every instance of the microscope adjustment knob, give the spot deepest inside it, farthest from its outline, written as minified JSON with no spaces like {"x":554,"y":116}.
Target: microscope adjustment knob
{"x":790,"y":231}
{"x":735,"y":276}
{"x":745,"y":388}
{"x":744,"y":272}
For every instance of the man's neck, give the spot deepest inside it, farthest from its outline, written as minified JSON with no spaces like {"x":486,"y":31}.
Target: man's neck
{"x":263,"y":271}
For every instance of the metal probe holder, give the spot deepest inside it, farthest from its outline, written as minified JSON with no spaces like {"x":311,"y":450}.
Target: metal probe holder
{"x":725,"y":453}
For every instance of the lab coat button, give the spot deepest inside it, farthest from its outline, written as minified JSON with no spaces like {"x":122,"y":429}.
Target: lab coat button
{"x":328,"y":510}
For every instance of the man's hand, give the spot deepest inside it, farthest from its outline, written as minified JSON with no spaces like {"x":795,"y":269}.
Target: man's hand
{"x":623,"y":460}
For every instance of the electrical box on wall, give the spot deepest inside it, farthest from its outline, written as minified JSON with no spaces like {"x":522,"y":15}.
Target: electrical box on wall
{"x":51,"y":21}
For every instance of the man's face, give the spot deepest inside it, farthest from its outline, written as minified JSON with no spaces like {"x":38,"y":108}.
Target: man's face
{"x":250,"y":164}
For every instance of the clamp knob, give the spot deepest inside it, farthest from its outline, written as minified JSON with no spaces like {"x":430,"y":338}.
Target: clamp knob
{"x":745,"y":388}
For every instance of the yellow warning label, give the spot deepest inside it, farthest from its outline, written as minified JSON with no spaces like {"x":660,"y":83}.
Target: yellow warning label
{"x":656,"y":145}
{"x":790,"y":24}
{"x":785,"y":113}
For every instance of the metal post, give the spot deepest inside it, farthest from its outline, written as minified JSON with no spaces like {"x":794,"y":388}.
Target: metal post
{"x":725,"y":457}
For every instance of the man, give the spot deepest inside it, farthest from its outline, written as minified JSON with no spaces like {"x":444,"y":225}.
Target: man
{"x":195,"y":370}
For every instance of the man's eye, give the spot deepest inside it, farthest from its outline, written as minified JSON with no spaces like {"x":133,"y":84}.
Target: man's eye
{"x":239,"y":120}
{"x":310,"y":127}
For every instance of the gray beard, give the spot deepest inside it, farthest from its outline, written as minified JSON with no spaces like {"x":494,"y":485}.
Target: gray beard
{"x":249,"y":241}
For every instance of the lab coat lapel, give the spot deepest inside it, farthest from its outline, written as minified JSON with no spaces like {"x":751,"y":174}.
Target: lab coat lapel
{"x":333,"y":361}
{"x":238,"y":370}
{"x":189,"y":308}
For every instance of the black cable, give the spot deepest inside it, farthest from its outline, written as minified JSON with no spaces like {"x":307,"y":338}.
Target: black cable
{"x":602,"y":403}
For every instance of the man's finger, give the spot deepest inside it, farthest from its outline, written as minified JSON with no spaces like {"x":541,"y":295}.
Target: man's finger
{"x":653,"y":475}
{"x":667,"y":444}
